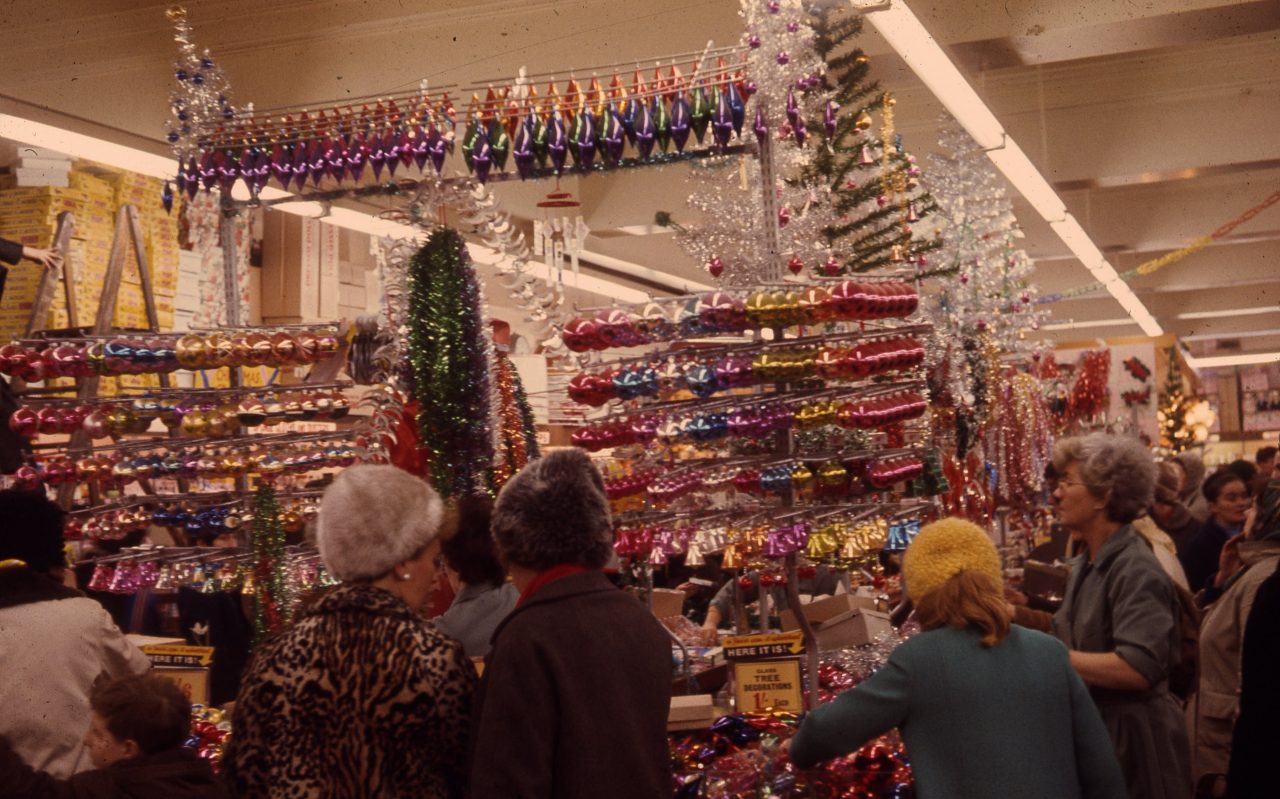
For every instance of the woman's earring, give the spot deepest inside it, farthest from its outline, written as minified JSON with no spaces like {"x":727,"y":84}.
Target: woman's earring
{"x":406,"y":576}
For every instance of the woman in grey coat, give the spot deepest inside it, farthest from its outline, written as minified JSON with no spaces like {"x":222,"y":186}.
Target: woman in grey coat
{"x":482,"y":596}
{"x":1119,"y":617}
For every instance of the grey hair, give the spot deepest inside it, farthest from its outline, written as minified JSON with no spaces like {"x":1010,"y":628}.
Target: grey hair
{"x":1117,"y":467}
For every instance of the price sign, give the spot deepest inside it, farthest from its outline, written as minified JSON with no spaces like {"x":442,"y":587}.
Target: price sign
{"x":766,"y":671}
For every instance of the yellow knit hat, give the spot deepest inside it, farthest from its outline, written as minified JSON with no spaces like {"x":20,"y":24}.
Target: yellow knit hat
{"x":944,"y":549}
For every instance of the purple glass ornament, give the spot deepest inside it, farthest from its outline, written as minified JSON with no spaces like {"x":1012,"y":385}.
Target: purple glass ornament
{"x":522,"y":150}
{"x":753,"y":41}
{"x":783,"y":58}
{"x":166,"y":197}
{"x":261,"y":170}
{"x":750,"y":88}
{"x":614,"y":138}
{"x":628,"y":113}
{"x":357,"y":157}
{"x":793,"y":107}
{"x":800,"y":131}
{"x":645,"y":130}
{"x":148,"y":573}
{"x":420,"y":147}
{"x":792,"y":27}
{"x":680,"y":122}
{"x":760,"y":127}
{"x":125,"y":580}
{"x":317,"y":163}
{"x":722,"y":126}
{"x":192,"y":177}
{"x":829,"y":120}
{"x":391,"y":152}
{"x":437,"y":151}
{"x":300,"y":168}
{"x":774,"y":6}
{"x":377,"y":156}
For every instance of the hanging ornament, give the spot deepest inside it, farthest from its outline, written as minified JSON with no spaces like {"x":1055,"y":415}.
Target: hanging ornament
{"x":831,"y":267}
{"x":784,"y":216}
{"x":166,"y":197}
{"x":715,"y":266}
{"x":795,"y":265}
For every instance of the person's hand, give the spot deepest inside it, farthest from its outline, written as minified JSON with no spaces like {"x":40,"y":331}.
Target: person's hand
{"x":49,"y":259}
{"x":1229,"y":560}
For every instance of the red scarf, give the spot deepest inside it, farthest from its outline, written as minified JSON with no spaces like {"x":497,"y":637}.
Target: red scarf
{"x":546,"y":577}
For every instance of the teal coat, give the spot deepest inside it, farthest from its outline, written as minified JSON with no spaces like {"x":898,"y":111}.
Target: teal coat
{"x":1012,"y":720}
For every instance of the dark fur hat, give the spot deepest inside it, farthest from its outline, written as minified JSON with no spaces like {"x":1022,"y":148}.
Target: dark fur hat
{"x":554,"y":511}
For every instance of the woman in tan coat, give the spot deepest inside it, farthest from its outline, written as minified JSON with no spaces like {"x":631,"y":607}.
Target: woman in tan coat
{"x":1246,"y":561}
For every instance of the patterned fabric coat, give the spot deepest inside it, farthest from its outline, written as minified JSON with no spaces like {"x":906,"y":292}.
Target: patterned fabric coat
{"x":360,"y":698}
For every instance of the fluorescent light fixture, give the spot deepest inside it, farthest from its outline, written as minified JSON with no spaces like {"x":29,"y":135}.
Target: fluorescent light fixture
{"x":307,"y":208}
{"x":1232,"y":360}
{"x":1264,"y":309}
{"x":1095,"y":323}
{"x":1241,"y":334}
{"x":895,"y":21}
{"x":904,"y":33}
{"x":77,"y":145}
{"x":1018,"y":169}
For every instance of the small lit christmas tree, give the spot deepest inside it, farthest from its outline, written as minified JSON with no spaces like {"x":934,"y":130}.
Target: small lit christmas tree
{"x":1178,"y":412}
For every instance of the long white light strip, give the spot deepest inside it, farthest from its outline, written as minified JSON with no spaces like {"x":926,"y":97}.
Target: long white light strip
{"x":38,"y":134}
{"x":1094,"y":323}
{"x":1265,"y":309}
{"x":1232,"y":360}
{"x":895,"y":21}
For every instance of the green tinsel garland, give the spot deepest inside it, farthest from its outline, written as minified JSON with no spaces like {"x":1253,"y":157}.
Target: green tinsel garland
{"x":450,"y":366}
{"x":272,"y":605}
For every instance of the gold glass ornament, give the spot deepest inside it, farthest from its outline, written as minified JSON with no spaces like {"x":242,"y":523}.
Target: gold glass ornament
{"x":192,"y":352}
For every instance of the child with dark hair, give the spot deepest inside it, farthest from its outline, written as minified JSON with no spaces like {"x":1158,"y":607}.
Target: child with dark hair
{"x":136,"y":730}
{"x":482,"y":595}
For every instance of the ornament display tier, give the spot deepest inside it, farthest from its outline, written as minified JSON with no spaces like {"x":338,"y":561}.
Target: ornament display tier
{"x":193,"y":413}
{"x":815,"y":360}
{"x":164,"y":570}
{"x":161,"y":353}
{"x":264,"y":457}
{"x":733,"y":311}
{"x":756,"y":416}
{"x":337,"y":142}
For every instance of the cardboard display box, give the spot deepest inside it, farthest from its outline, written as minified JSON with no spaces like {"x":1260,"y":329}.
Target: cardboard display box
{"x":667,"y":602}
{"x":693,"y":712}
{"x":825,"y":608}
{"x":852,"y":628}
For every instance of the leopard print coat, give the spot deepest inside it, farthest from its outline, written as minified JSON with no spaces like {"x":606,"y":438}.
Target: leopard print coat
{"x":360,"y":698}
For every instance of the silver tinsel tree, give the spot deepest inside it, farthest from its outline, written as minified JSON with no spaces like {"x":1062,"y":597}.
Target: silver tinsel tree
{"x":200,"y":99}
{"x":991,"y":290}
{"x":835,"y":189}
{"x":989,"y":301}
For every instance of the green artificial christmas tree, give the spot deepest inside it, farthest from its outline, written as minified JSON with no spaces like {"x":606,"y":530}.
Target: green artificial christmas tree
{"x":1175,"y":406}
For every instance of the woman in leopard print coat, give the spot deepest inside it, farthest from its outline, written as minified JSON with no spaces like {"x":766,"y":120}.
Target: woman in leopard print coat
{"x":362,"y":697}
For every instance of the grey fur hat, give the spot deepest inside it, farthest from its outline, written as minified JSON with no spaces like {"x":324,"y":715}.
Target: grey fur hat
{"x":554,"y":511}
{"x":373,"y":517}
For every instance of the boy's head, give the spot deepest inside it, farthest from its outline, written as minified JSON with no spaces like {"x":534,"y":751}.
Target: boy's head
{"x":136,"y":716}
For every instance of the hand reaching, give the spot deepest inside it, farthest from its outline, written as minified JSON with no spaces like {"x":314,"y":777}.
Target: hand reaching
{"x":49,"y":259}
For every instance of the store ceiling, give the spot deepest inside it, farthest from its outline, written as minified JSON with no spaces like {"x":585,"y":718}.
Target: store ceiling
{"x":1155,"y":121}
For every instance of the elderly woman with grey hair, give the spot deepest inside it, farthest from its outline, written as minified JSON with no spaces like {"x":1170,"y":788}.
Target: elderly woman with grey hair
{"x":1120,"y":614}
{"x":573,"y":702}
{"x":361,"y":697}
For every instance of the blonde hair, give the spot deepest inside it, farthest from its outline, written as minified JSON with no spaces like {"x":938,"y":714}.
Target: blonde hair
{"x":969,"y":598}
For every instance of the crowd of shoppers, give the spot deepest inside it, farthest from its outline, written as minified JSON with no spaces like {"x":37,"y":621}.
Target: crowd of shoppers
{"x":364,"y":696}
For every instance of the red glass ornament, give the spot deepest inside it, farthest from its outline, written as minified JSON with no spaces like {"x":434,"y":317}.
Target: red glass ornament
{"x":715,"y":266}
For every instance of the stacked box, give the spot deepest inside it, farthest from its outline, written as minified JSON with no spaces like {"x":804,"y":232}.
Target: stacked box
{"x":29,"y":216}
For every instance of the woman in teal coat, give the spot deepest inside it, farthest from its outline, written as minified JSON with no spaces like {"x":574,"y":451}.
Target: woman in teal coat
{"x":986,"y":708}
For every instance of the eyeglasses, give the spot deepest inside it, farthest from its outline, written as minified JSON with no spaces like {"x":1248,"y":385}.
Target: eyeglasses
{"x":1062,"y":482}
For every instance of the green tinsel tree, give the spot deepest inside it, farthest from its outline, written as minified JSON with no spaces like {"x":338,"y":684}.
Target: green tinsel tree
{"x":870,"y":233}
{"x":1175,"y":433}
{"x":450,"y":358}
{"x":272,"y":605}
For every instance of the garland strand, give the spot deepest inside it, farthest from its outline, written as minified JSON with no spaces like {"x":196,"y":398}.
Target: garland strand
{"x":272,"y":605}
{"x":1157,"y":264}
